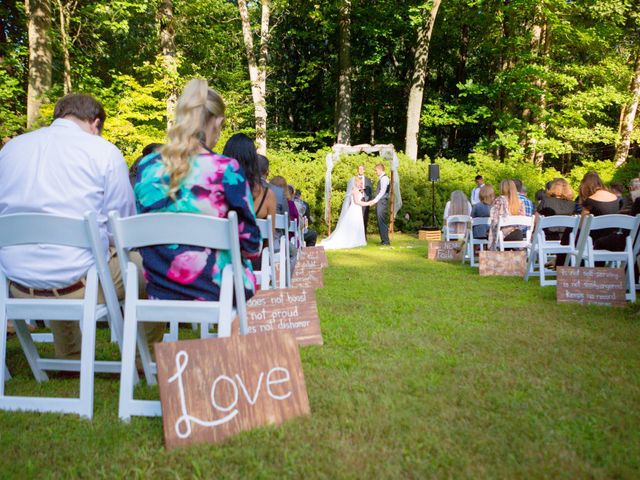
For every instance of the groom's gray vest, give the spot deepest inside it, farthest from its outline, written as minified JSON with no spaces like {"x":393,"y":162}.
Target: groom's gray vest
{"x":386,"y":194}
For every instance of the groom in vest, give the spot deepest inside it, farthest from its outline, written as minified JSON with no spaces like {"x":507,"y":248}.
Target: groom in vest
{"x":381,"y":201}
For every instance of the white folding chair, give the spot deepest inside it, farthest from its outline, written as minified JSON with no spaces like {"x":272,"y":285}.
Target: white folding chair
{"x":266,"y":277}
{"x":590,"y":254}
{"x":522,"y":221}
{"x":282,"y":257}
{"x":169,"y":229}
{"x":472,"y":242}
{"x":449,"y":235}
{"x":34,"y":228}
{"x":542,"y":248}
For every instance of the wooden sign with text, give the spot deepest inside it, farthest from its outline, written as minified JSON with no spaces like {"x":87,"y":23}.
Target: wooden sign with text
{"x":445,"y":251}
{"x":315,"y":255}
{"x":510,"y":263}
{"x":290,"y":309}
{"x":212,"y":389}
{"x":592,"y":286}
{"x":307,"y":278}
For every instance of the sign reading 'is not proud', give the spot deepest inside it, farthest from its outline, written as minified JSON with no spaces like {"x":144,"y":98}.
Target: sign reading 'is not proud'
{"x":212,"y":389}
{"x":291,"y":309}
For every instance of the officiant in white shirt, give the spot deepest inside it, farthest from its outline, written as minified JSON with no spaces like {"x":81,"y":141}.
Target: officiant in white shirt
{"x":367,"y":192}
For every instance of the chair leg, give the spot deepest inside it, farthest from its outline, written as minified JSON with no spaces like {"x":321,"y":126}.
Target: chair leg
{"x":30,"y":350}
{"x":128,"y":363}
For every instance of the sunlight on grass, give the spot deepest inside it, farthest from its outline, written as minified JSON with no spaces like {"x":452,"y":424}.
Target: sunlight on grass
{"x":427,"y":370}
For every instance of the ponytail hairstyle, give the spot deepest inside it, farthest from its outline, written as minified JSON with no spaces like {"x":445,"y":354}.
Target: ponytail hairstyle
{"x":197,"y":105}
{"x":508,"y":189}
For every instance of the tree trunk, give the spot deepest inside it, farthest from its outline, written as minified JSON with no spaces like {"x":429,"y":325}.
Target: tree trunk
{"x":257,"y":69}
{"x":65,"y":12}
{"x":169,"y":56}
{"x":344,"y":78}
{"x":417,"y":82}
{"x":628,"y":116}
{"x":39,"y":21}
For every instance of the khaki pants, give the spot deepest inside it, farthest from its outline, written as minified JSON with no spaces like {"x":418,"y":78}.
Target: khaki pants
{"x":67,"y":337}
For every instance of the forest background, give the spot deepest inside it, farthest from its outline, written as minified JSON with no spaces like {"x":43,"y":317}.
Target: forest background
{"x":533,"y":89}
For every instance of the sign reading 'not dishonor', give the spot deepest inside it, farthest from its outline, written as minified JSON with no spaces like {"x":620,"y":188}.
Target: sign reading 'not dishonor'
{"x":212,"y":389}
{"x":291,"y":309}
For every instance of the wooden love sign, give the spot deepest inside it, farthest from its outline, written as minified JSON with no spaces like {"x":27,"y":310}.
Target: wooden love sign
{"x":510,"y":263}
{"x":592,"y":286}
{"x":315,"y":255}
{"x":445,"y":251}
{"x":212,"y":389}
{"x":307,"y":278}
{"x":290,"y":309}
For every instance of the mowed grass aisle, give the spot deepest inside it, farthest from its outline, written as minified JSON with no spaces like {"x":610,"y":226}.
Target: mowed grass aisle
{"x":427,"y":370}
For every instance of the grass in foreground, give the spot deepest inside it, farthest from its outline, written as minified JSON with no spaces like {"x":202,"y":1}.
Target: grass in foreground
{"x":427,"y":370}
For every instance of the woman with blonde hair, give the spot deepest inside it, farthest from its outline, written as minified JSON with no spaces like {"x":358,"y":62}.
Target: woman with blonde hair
{"x":482,"y":209}
{"x":457,"y":205}
{"x":507,"y":204}
{"x":187,"y":176}
{"x":558,"y":200}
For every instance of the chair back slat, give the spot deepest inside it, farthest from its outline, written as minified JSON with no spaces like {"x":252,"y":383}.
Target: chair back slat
{"x":567,"y":221}
{"x":168,"y":228}
{"x":625,"y":222}
{"x":515,"y":220}
{"x":264,"y":224}
{"x":43,"y":228}
{"x":480,"y":221}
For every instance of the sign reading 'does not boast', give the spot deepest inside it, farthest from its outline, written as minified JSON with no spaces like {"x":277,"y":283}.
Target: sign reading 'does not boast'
{"x":510,"y":263}
{"x":594,"y":286}
{"x":291,"y":309}
{"x":212,"y":389}
{"x":445,"y":251}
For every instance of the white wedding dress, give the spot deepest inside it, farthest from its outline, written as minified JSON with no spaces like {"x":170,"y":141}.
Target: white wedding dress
{"x":349,"y":232}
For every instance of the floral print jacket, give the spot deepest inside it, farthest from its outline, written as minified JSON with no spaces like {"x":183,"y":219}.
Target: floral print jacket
{"x":214,"y":185}
{"x":500,"y":208}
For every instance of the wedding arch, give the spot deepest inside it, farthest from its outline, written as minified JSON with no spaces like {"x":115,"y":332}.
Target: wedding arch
{"x":387,"y":152}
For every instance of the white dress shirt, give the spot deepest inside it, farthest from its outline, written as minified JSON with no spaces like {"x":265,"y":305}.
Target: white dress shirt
{"x":475,"y":194}
{"x":384,"y":184}
{"x":60,"y":169}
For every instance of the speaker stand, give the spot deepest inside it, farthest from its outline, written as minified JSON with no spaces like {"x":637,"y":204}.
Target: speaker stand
{"x":434,"y":225}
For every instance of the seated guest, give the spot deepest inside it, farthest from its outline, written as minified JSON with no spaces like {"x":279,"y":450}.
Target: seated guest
{"x":187,"y":176}
{"x":634,"y":194}
{"x":281,"y":203}
{"x":291,"y":206}
{"x":457,"y":205}
{"x":540,"y":194}
{"x":241,"y":148}
{"x":483,"y":209}
{"x":152,"y":147}
{"x":529,"y":209}
{"x":557,"y":201}
{"x":596,"y":200}
{"x":618,"y":190}
{"x":310,"y":235}
{"x":507,"y":204}
{"x":66,"y":169}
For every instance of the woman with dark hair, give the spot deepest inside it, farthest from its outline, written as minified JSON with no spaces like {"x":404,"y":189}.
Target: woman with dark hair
{"x":242,"y":148}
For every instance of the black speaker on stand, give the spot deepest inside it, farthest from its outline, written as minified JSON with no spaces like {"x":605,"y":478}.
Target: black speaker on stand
{"x":434,"y":176}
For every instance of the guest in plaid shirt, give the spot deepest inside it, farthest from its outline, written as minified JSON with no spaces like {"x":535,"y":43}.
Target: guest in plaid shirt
{"x":529,"y":210}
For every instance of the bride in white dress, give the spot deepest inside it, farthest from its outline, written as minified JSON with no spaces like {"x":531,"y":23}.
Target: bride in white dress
{"x":349,"y":232}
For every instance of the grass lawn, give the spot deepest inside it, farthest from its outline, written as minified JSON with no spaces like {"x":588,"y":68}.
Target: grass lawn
{"x":427,"y":370}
